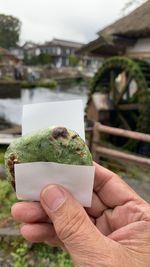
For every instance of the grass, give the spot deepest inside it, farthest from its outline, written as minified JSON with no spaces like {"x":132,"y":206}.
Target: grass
{"x":7,"y":198}
{"x":127,"y":170}
{"x":19,"y":251}
{"x":122,"y":168}
{"x":47,"y":83}
{"x":22,"y":253}
{"x":2,"y":152}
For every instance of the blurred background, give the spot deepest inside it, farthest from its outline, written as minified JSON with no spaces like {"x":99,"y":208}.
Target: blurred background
{"x":97,"y":51}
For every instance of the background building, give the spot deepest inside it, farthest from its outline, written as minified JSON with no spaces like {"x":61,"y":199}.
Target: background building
{"x":129,"y":36}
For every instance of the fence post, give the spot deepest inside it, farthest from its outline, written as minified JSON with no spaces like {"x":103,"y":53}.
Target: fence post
{"x":96,"y":140}
{"x":90,"y":140}
{"x":98,"y":149}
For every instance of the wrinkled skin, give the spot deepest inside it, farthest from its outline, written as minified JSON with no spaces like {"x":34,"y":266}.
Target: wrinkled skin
{"x":54,"y":144}
{"x":114,"y":232}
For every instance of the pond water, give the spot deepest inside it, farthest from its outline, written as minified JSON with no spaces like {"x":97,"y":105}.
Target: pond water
{"x":11,"y":109}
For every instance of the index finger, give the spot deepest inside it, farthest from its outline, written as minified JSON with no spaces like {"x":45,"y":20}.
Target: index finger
{"x":111,"y":189}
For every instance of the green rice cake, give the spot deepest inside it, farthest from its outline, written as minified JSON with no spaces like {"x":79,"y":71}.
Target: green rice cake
{"x":53,"y":144}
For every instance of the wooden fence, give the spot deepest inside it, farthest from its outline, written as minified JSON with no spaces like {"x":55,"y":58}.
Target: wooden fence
{"x":6,"y":139}
{"x":99,"y":150}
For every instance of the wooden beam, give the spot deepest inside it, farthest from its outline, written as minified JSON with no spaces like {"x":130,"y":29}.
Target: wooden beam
{"x":121,"y":132}
{"x":13,"y":130}
{"x":123,"y":91}
{"x":139,"y":55}
{"x":110,"y":153}
{"x":124,"y":121}
{"x":6,"y":139}
{"x":9,"y":231}
{"x":129,"y":106}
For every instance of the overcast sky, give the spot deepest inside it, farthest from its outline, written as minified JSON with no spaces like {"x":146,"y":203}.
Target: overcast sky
{"x":76,"y":20}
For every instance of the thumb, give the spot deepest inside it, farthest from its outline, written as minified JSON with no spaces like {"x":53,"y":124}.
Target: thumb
{"x":72,"y":225}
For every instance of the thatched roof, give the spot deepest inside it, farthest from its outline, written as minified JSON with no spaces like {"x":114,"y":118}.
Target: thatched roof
{"x":106,"y":46}
{"x":116,"y":37}
{"x":136,"y":24}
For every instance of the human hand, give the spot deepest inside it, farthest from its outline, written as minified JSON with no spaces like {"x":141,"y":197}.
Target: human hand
{"x":114,"y":232}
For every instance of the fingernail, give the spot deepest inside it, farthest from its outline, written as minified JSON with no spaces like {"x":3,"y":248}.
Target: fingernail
{"x":53,"y":197}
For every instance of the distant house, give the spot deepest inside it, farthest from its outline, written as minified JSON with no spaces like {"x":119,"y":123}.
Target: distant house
{"x":29,"y":45}
{"x":59,"y":50}
{"x":7,"y":58}
{"x":129,"y":36}
{"x":30,"y":49}
{"x":18,"y":52}
{"x":8,"y":63}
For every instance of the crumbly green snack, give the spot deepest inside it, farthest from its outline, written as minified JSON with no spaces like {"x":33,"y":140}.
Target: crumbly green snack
{"x":53,"y":144}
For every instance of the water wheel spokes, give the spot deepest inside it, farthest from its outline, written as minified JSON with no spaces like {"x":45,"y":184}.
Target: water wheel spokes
{"x":129,"y":97}
{"x":124,"y":121}
{"x":124,"y":90}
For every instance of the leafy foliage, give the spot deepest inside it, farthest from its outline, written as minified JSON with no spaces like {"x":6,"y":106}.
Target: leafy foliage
{"x":41,"y":59}
{"x":117,"y":64}
{"x":2,"y":151}
{"x":21,"y":252}
{"x":47,"y":83}
{"x":73,"y":60}
{"x":20,"y":256}
{"x":39,"y":255}
{"x":9,"y":31}
{"x":7,"y":198}
{"x":100,"y":83}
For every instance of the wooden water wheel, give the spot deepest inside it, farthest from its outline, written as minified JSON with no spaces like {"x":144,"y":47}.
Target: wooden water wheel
{"x":127,"y":82}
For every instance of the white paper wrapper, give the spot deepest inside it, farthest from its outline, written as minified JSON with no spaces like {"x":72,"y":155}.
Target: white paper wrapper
{"x":31,"y":178}
{"x":69,"y":114}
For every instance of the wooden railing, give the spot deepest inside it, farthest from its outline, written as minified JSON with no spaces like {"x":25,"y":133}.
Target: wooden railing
{"x":99,"y":150}
{"x":6,"y":139}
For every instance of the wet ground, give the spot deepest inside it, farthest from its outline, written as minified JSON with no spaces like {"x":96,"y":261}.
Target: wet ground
{"x":141,"y":187}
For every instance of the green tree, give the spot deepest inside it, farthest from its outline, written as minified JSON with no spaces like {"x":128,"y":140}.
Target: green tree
{"x":26,"y":60}
{"x":9,"y":31}
{"x":1,"y":57}
{"x":73,"y":60}
{"x":41,"y":59}
{"x":44,"y":58}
